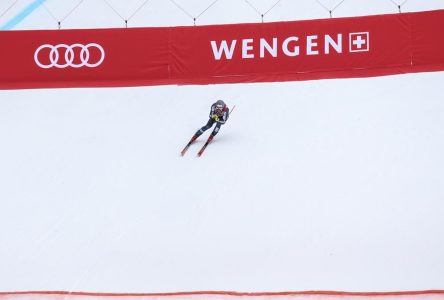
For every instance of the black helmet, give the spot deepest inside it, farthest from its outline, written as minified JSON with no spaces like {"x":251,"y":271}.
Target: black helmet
{"x":220,"y":105}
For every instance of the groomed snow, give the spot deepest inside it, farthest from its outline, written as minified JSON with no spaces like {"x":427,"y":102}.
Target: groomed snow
{"x":316,"y":185}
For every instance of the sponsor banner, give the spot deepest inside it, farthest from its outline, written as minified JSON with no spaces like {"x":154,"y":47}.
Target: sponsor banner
{"x":427,"y":39}
{"x":83,"y":58}
{"x":263,"y":52}
{"x":311,"y":295}
{"x":293,"y":47}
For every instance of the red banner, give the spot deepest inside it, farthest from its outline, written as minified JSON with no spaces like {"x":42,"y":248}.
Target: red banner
{"x":264,"y":52}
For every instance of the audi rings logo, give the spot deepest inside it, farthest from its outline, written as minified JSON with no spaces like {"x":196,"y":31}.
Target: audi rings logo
{"x":72,"y":57}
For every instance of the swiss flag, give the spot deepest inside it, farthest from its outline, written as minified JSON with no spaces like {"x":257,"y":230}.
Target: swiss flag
{"x":359,"y":41}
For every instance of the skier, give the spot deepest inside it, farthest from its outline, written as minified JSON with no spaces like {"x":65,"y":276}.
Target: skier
{"x":219,"y":113}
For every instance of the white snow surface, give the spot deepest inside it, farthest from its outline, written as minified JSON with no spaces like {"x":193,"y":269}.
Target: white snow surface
{"x":325,"y":185}
{"x":315,"y":185}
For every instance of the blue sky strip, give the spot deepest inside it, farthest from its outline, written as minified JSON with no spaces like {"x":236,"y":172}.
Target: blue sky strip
{"x":22,"y":15}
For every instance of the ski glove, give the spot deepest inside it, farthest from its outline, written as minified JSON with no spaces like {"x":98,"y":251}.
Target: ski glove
{"x":215,"y":117}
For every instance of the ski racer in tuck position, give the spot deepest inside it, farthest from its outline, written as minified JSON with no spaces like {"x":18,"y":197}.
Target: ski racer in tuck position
{"x":219,"y":113}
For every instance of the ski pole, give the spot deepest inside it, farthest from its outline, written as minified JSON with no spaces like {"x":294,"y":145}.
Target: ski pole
{"x":232,"y":109}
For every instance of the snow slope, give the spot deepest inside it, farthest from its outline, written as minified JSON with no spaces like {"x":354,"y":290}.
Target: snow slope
{"x":333,"y":185}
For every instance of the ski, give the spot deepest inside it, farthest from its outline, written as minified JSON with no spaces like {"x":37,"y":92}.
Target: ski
{"x":201,"y":151}
{"x":182,"y":153}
